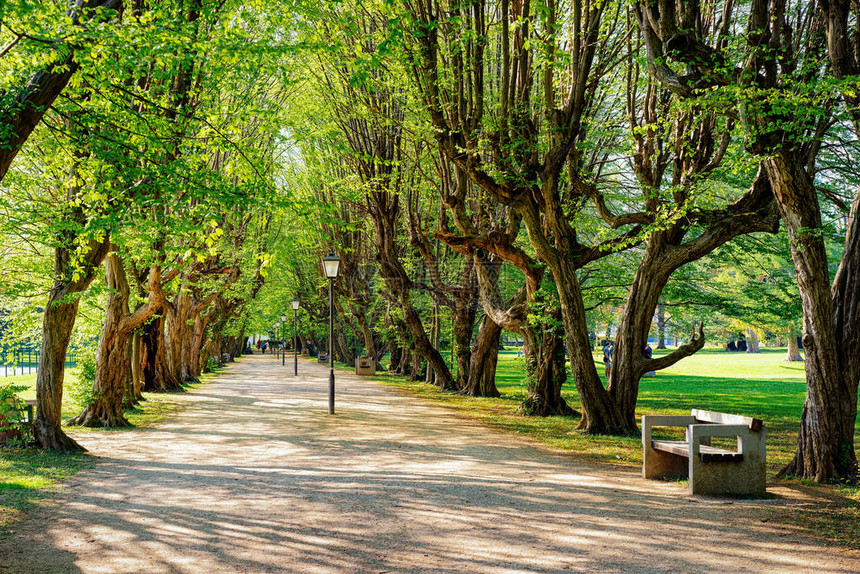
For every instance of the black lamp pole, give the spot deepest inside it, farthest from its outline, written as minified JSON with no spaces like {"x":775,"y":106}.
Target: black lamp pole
{"x":330,"y":354}
{"x":283,"y":339}
{"x":296,"y":335}
{"x":331,"y":263}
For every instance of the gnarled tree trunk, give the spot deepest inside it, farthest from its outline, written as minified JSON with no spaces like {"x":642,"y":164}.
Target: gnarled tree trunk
{"x":825,"y":443}
{"x":483,"y":361}
{"x":546,"y":373}
{"x":112,"y":358}
{"x":58,"y":323}
{"x":156,"y":376}
{"x":752,"y":341}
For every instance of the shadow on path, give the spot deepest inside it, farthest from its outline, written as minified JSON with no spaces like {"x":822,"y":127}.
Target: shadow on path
{"x":254,"y":476}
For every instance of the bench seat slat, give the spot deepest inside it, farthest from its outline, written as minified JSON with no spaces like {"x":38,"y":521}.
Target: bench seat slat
{"x":706,"y":453}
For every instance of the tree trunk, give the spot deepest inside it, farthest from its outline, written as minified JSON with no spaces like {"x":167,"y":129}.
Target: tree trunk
{"x":628,"y":359}
{"x":825,"y":443}
{"x":483,"y":361}
{"x":415,"y":369}
{"x":112,"y":359}
{"x":136,"y":366}
{"x":364,"y":326}
{"x":461,"y":337}
{"x":58,"y":322}
{"x":156,"y":376}
{"x":600,"y":414}
{"x":394,"y":358}
{"x":752,"y":341}
{"x":177,"y":337}
{"x":129,"y":399}
{"x":343,"y":350}
{"x":195,"y":346}
{"x":426,"y":349}
{"x":405,"y":362}
{"x":661,"y":326}
{"x":435,"y":328}
{"x":546,"y":373}
{"x":793,"y":354}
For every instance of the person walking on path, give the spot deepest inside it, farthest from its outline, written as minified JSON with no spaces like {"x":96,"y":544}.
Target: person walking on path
{"x":607,"y":357}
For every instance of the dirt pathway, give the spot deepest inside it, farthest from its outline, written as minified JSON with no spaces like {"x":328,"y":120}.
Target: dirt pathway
{"x":255,"y":476}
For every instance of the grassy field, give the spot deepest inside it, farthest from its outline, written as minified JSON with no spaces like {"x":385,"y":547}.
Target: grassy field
{"x":758,"y":385}
{"x":27,"y":475}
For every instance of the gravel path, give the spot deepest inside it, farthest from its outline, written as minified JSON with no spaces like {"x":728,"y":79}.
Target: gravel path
{"x":255,"y":476}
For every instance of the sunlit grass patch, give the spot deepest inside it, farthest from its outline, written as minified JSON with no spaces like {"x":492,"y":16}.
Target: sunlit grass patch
{"x":26,"y":475}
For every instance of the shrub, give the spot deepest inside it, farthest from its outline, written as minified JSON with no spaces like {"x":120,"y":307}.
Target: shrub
{"x":13,"y":409}
{"x":80,"y":386}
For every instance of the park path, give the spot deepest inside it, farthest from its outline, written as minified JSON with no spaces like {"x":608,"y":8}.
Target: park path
{"x":254,"y":476}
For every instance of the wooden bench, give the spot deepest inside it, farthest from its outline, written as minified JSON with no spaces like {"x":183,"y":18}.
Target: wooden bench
{"x":322,"y":358}
{"x":709,"y":470}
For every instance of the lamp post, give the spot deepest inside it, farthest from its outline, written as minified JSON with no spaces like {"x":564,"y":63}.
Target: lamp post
{"x":295,"y":303}
{"x":331,"y":264}
{"x":283,"y":339}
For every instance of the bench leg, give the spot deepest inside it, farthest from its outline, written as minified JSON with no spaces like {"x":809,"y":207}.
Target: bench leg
{"x":659,"y":464}
{"x":734,"y":478}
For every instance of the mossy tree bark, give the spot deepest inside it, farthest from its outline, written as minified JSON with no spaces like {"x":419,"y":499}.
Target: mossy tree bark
{"x":112,"y":358}
{"x":58,"y":322}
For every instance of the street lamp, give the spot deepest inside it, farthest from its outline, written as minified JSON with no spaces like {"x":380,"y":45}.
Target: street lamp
{"x":295,"y":303}
{"x":283,"y":338}
{"x":331,"y":264}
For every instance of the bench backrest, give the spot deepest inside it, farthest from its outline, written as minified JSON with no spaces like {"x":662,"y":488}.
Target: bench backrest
{"x":754,"y":425}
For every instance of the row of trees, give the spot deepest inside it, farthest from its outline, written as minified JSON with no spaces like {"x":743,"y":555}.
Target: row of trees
{"x":151,"y":157}
{"x":577,"y":143}
{"x":515,"y":166}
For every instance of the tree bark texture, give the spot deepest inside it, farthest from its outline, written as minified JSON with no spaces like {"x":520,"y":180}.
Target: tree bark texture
{"x":661,"y":326}
{"x":156,"y":376}
{"x":752,"y":341}
{"x":112,"y":357}
{"x":546,"y":373}
{"x":483,"y":361}
{"x":793,"y":354}
{"x":825,"y":444}
{"x":58,"y":322}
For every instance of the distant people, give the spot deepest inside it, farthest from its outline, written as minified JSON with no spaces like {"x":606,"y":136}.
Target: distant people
{"x":648,"y":353}
{"x":264,"y":347}
{"x":607,"y":357}
{"x":259,"y":344}
{"x":312,"y":350}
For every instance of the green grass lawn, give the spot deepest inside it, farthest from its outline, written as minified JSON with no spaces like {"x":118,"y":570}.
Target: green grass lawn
{"x":758,"y":385}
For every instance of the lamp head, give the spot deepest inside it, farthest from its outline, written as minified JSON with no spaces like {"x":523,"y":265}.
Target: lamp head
{"x":295,"y":303}
{"x":331,"y":265}
{"x":283,"y":318}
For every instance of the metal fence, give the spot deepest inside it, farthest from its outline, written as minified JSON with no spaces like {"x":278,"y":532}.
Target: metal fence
{"x":23,"y":359}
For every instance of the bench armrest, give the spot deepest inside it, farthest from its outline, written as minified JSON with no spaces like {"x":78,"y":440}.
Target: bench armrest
{"x":649,"y":421}
{"x":695,"y":434}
